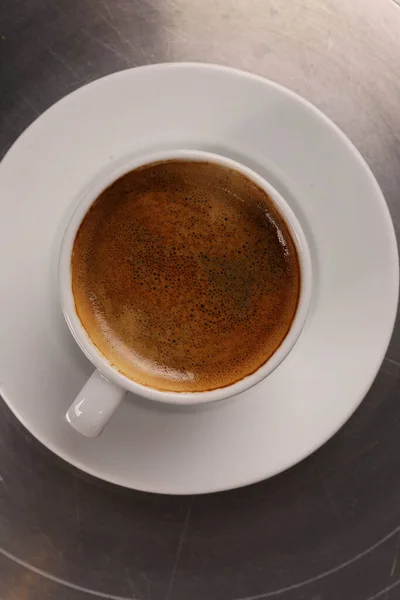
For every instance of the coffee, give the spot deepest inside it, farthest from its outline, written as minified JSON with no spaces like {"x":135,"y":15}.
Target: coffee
{"x":185,"y":276}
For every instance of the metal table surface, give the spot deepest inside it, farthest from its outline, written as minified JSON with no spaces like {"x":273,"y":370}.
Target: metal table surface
{"x":327,"y":529}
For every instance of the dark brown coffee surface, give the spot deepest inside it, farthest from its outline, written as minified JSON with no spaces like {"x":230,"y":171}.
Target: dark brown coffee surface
{"x":185,"y":276}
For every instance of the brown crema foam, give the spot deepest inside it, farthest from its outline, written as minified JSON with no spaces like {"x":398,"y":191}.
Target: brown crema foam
{"x":185,"y":276}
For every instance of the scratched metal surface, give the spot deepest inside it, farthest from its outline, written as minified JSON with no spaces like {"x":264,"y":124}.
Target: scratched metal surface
{"x":328,"y":529}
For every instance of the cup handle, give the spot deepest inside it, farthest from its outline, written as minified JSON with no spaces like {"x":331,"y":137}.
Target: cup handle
{"x":94,"y":405}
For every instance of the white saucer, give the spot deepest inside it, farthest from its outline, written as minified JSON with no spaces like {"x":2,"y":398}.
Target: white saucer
{"x":344,"y":215}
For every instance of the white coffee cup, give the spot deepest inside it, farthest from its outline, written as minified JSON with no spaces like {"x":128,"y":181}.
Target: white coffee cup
{"x":105,"y":389}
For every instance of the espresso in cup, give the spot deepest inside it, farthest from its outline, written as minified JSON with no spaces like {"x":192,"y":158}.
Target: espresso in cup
{"x":185,"y":276}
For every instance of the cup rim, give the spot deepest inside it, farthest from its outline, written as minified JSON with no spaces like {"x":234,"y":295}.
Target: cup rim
{"x":83,"y":339}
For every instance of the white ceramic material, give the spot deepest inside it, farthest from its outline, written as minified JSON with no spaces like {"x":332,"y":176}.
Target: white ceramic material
{"x":102,"y":393}
{"x":194,"y":449}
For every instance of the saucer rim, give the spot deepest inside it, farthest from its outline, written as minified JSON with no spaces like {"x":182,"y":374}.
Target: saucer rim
{"x":389,"y":230}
